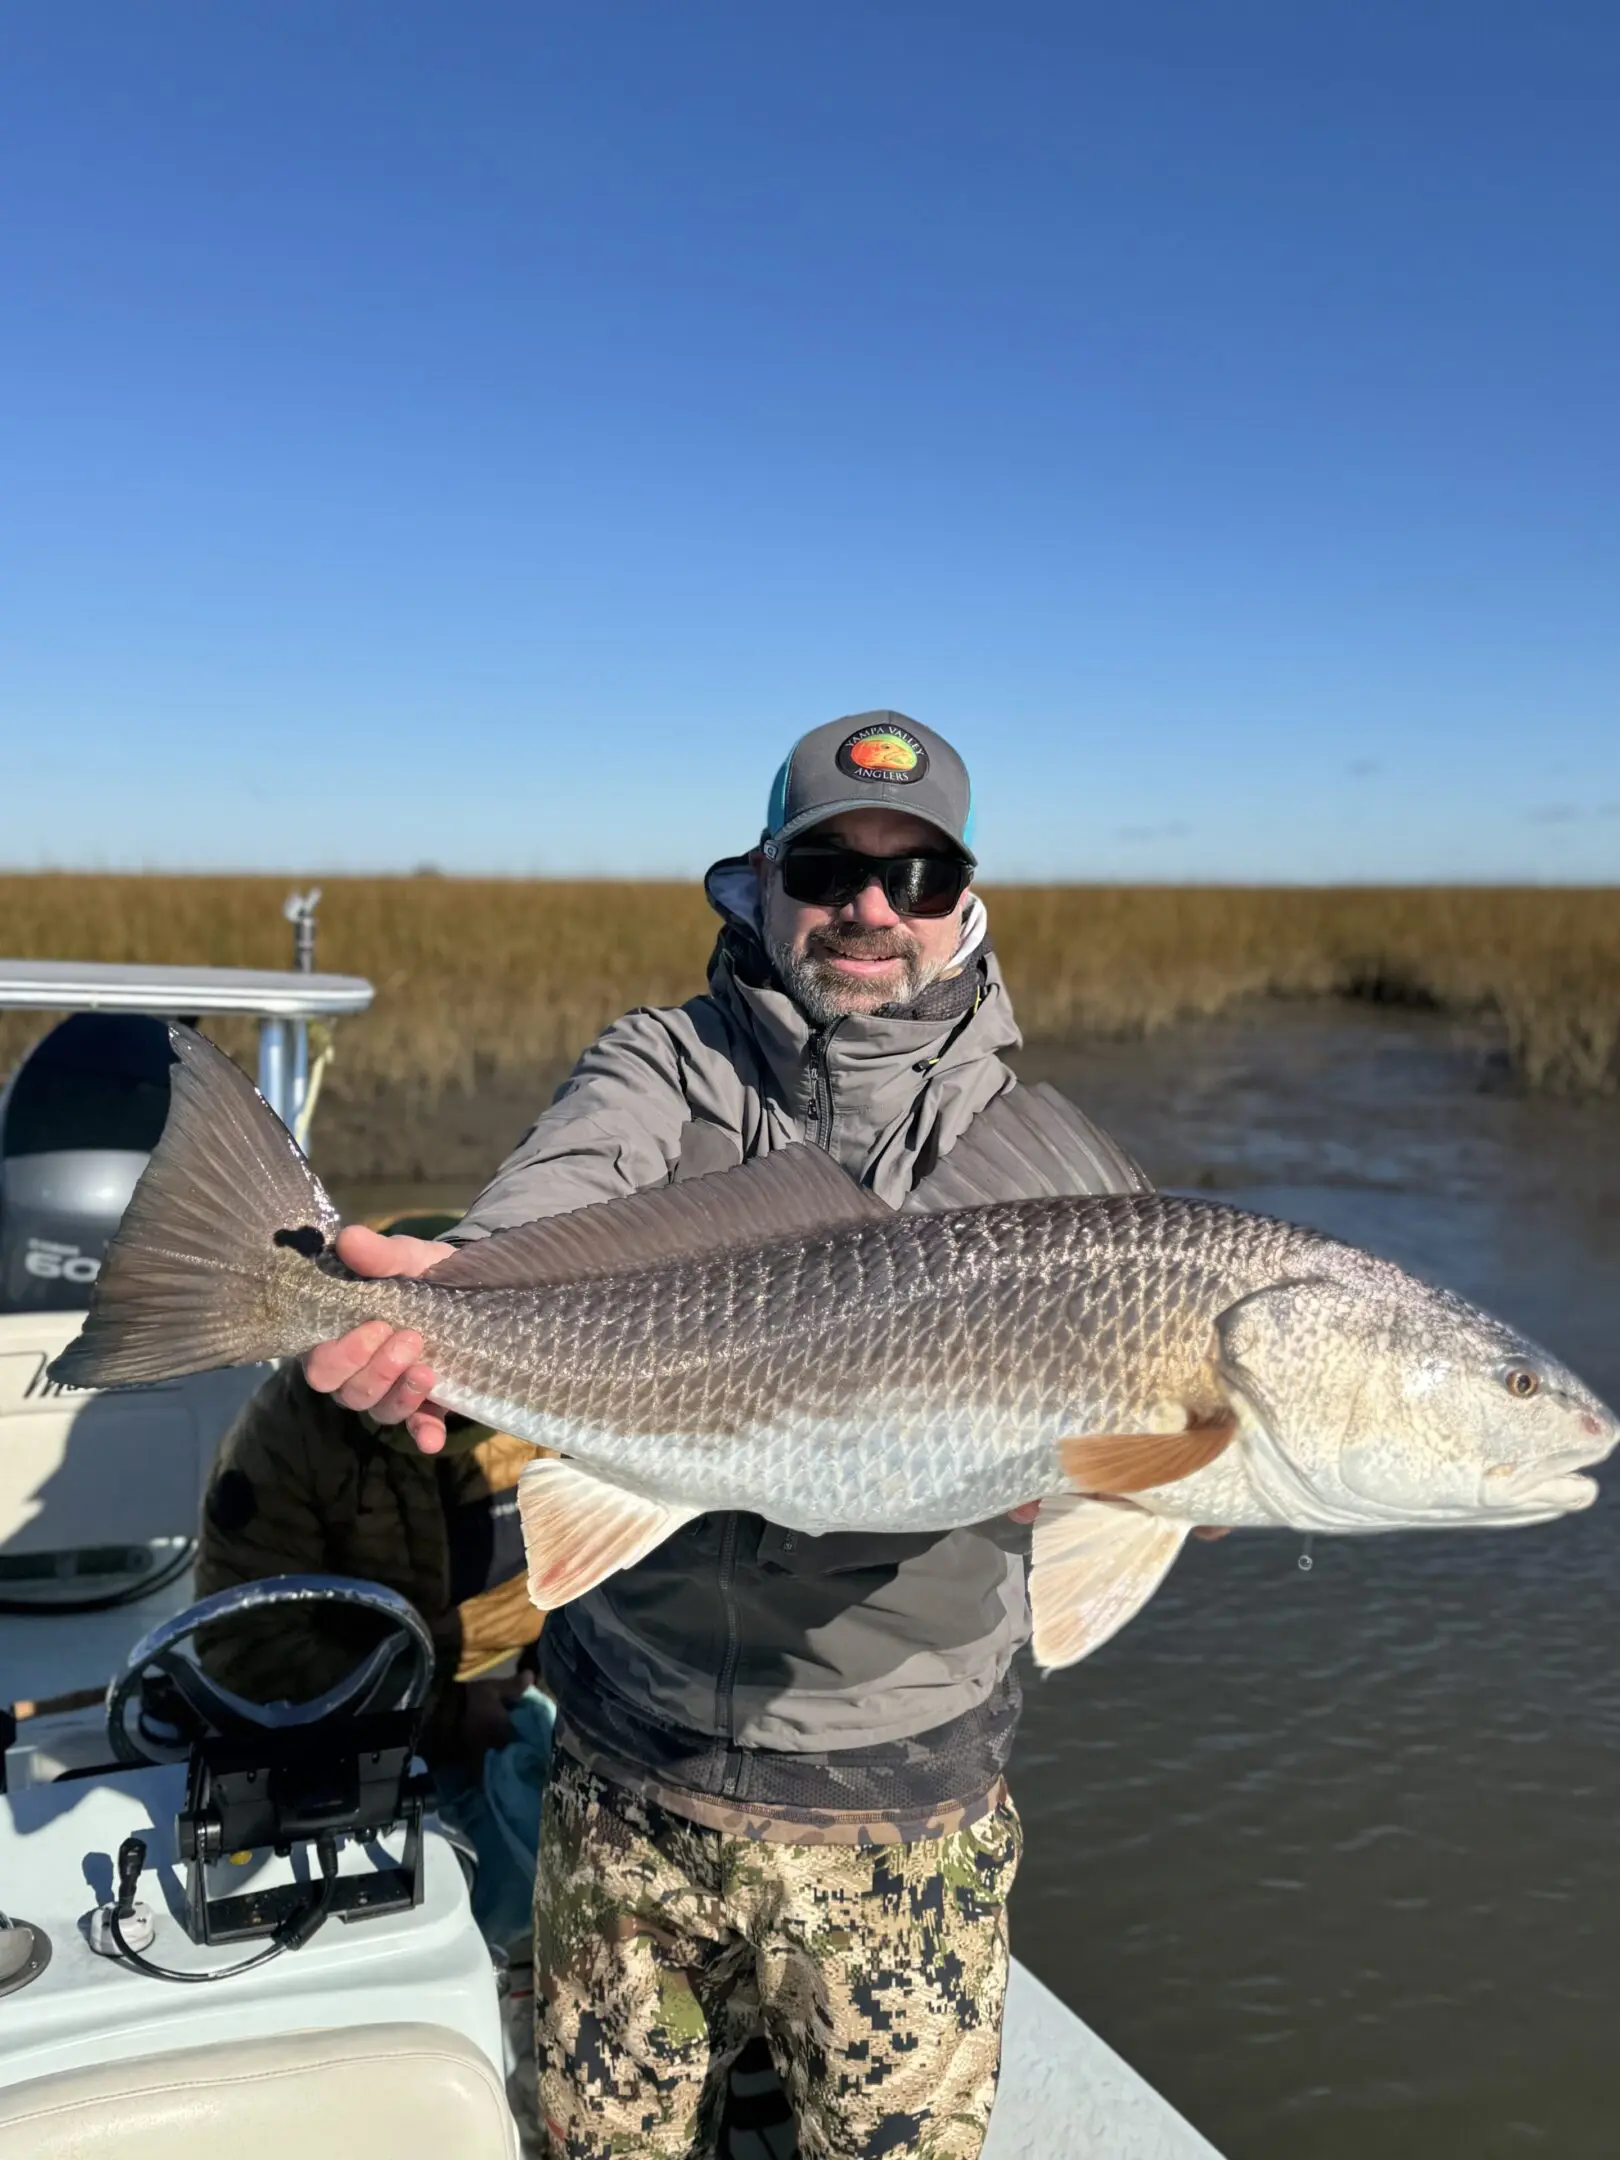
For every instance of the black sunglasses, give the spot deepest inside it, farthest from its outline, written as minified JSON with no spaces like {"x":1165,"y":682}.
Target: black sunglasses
{"x":824,"y":876}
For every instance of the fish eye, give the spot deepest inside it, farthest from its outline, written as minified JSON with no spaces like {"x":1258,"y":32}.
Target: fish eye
{"x":1521,"y":1381}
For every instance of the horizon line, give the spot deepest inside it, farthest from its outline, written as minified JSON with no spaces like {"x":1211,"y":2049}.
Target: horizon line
{"x":432,"y":874}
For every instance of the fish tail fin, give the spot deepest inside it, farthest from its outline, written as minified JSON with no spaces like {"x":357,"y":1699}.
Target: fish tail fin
{"x":196,"y":1275}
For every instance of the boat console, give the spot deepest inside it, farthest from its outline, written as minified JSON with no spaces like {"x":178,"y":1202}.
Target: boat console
{"x":237,"y":1869}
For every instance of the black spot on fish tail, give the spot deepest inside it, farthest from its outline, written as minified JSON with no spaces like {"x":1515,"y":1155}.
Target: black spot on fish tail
{"x":306,"y":1240}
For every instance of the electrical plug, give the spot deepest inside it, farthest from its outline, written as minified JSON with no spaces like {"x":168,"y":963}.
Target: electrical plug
{"x":135,"y":1922}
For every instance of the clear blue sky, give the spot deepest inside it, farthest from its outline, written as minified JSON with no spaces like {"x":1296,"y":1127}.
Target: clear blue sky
{"x":487,"y":433}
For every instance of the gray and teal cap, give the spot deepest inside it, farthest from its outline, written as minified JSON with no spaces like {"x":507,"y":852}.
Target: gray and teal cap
{"x":870,"y":761}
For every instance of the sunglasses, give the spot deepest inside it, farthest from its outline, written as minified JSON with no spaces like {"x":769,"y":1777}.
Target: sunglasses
{"x":825,"y":876}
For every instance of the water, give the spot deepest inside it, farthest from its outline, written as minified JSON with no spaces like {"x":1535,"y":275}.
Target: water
{"x":1328,"y":1856}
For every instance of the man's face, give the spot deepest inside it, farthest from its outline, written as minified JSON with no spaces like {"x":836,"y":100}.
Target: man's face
{"x":855,"y":958}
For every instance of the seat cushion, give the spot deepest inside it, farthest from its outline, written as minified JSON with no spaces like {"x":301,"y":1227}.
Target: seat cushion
{"x":401,"y":2092}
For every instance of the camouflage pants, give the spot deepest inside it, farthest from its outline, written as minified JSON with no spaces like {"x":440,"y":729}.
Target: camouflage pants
{"x":876,"y":1973}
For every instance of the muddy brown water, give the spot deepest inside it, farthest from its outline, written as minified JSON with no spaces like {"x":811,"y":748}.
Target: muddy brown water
{"x":1330,"y":1855}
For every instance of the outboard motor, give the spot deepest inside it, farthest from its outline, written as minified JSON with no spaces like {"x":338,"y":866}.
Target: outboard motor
{"x":82,"y":1113}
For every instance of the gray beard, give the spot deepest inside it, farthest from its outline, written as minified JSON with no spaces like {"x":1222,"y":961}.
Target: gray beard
{"x":823,"y":995}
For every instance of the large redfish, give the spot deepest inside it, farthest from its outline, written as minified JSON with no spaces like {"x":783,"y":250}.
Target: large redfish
{"x":774,"y":1338}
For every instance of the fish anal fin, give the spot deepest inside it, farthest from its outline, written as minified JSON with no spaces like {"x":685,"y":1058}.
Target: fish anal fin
{"x":1095,"y":1564}
{"x":797,"y":1192}
{"x":578,"y":1529}
{"x":1137,"y":1462}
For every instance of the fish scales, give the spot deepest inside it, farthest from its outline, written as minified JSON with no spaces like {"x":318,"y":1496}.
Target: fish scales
{"x":937,"y":1359}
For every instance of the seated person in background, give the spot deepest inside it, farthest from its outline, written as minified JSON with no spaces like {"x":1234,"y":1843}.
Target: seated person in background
{"x":303,"y":1486}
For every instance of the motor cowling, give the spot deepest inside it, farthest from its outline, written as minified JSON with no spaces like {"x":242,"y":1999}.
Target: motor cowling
{"x":78,"y":1121}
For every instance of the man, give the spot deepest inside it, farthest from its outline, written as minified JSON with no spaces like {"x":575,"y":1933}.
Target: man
{"x":777,"y":1802}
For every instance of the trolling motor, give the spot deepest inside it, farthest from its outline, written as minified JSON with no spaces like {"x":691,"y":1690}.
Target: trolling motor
{"x":275,"y":1776}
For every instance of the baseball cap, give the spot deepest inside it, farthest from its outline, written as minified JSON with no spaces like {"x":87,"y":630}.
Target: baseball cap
{"x":871,"y":761}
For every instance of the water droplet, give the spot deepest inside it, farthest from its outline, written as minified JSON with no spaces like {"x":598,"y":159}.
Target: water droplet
{"x":1306,"y":1563}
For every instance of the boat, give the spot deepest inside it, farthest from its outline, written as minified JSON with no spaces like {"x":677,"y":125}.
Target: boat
{"x":234,"y":1922}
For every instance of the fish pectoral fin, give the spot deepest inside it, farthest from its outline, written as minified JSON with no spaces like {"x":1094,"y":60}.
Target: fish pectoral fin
{"x":578,"y":1529}
{"x":1136,"y":1462}
{"x":1095,"y":1564}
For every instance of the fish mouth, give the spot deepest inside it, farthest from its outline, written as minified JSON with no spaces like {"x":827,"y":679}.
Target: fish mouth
{"x":1544,"y":1488}
{"x":1566,"y":1490}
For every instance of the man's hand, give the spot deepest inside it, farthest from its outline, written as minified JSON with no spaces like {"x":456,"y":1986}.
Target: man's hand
{"x":376,"y":1367}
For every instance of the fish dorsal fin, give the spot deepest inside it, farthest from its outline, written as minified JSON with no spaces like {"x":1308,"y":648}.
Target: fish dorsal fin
{"x":797,"y":1192}
{"x":1094,"y":1565}
{"x":1029,"y":1144}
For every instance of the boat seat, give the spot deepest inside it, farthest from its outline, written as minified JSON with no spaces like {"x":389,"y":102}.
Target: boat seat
{"x":399,"y":2092}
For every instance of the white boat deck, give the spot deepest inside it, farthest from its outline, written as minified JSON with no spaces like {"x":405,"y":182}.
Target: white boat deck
{"x":58,"y":1843}
{"x":1065,"y":2094}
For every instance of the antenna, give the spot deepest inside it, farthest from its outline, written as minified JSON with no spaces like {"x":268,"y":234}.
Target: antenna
{"x":299,"y":909}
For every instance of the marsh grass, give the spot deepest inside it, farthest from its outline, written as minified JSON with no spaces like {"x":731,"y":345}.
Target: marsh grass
{"x":483,"y":981}
{"x":1543,"y":961}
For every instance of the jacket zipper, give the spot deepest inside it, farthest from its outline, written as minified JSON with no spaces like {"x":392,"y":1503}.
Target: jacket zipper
{"x":725,"y":1709}
{"x":821,"y":1076}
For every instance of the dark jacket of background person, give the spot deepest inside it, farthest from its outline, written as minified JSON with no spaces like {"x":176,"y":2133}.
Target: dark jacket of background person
{"x":303,"y":1486}
{"x":744,"y":1670}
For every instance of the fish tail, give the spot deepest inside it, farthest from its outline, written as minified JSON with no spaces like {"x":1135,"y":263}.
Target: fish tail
{"x":225,"y":1213}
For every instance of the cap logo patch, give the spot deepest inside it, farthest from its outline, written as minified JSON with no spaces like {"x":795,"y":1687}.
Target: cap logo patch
{"x":883,"y":753}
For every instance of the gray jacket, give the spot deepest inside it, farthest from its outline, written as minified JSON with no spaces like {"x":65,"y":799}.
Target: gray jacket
{"x":742,"y":1661}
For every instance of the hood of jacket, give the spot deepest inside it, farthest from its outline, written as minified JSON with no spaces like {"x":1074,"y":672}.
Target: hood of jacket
{"x":866,"y":1086}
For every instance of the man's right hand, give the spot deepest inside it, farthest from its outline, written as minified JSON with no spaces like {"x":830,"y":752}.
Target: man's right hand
{"x":376,"y":1367}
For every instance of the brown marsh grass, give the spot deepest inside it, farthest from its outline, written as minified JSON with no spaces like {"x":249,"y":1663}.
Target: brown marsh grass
{"x":485,"y":982}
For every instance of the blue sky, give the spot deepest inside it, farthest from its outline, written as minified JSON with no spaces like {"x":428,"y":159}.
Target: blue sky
{"x":486,"y":434}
